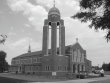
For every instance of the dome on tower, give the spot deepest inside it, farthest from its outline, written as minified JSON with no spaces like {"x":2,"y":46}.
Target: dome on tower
{"x":54,"y":10}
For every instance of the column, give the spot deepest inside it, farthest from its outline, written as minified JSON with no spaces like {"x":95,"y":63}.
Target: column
{"x":84,"y":68}
{"x":45,"y":38}
{"x":62,"y":44}
{"x":54,"y":38}
{"x":60,"y":41}
{"x":80,"y":68}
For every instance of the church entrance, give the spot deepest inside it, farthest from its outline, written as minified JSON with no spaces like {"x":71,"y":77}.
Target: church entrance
{"x":78,"y":68}
{"x":74,"y":68}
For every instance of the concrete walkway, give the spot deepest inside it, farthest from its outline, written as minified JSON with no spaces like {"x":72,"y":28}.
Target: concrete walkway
{"x":36,"y":79}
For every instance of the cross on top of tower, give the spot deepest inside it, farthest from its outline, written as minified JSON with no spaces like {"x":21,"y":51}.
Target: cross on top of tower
{"x":54,"y":3}
{"x":54,"y":10}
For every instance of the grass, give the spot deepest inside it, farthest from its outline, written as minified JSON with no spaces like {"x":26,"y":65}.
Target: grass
{"x":11,"y":80}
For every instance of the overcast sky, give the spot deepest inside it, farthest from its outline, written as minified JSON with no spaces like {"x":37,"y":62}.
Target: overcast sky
{"x":22,"y":21}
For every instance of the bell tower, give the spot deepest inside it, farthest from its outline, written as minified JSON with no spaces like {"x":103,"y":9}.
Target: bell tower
{"x":54,"y":22}
{"x":54,"y":61}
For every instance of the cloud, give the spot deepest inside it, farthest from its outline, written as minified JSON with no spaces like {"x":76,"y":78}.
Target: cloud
{"x":23,"y":44}
{"x":20,"y":46}
{"x":73,"y":4}
{"x":27,"y":25}
{"x":11,"y":34}
{"x":35,"y":13}
{"x":81,"y":30}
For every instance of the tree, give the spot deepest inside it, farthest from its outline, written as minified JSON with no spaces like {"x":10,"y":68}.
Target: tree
{"x":106,"y":67}
{"x":3,"y":39}
{"x":3,"y":63}
{"x":97,"y":12}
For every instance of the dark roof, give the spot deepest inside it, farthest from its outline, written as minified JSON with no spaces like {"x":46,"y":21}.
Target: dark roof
{"x":54,"y":10}
{"x":74,"y":46}
{"x":39,"y":53}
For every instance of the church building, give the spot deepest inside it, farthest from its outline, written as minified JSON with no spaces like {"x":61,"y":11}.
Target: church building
{"x":56,"y":61}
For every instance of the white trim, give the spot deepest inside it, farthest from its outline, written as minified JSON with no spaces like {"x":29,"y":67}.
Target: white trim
{"x":53,"y":13}
{"x":60,"y":55}
{"x":45,"y":55}
{"x":53,"y":71}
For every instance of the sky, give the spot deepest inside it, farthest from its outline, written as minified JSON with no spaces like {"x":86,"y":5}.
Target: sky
{"x":22,"y":21}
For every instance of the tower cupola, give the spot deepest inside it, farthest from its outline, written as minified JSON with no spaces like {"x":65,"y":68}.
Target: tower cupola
{"x":54,"y":14}
{"x":54,"y":11}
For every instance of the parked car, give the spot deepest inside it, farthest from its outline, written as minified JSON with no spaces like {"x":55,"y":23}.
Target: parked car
{"x":82,"y":74}
{"x":96,"y":71}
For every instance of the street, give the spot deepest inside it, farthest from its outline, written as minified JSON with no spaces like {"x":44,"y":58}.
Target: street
{"x":13,"y":78}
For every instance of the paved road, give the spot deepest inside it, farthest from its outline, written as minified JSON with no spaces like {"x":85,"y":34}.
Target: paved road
{"x":10,"y":80}
{"x":105,"y":79}
{"x":36,"y":79}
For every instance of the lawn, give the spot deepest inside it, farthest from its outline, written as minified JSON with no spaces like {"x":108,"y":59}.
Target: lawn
{"x":10,"y":80}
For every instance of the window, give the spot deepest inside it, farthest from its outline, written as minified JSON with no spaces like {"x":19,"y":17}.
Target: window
{"x":65,"y":68}
{"x":59,"y":67}
{"x":75,"y":56}
{"x":79,"y":55}
{"x":34,"y":60}
{"x":47,"y":68}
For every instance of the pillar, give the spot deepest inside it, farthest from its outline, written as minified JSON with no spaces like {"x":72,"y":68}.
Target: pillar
{"x":84,"y":68}
{"x":62,"y":37}
{"x":80,"y":68}
{"x":54,"y":38}
{"x":59,"y":40}
{"x":45,"y":38}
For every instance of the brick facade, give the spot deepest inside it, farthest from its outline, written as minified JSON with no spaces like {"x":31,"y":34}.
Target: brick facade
{"x":57,"y":61}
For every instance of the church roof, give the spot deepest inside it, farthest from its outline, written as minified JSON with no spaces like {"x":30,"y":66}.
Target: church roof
{"x":54,"y":10}
{"x":74,"y":46}
{"x":39,"y":53}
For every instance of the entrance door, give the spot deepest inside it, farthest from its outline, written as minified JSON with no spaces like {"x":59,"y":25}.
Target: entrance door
{"x":78,"y":68}
{"x":23,"y":69}
{"x":82,"y":68}
{"x":19,"y":68}
{"x":74,"y":68}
